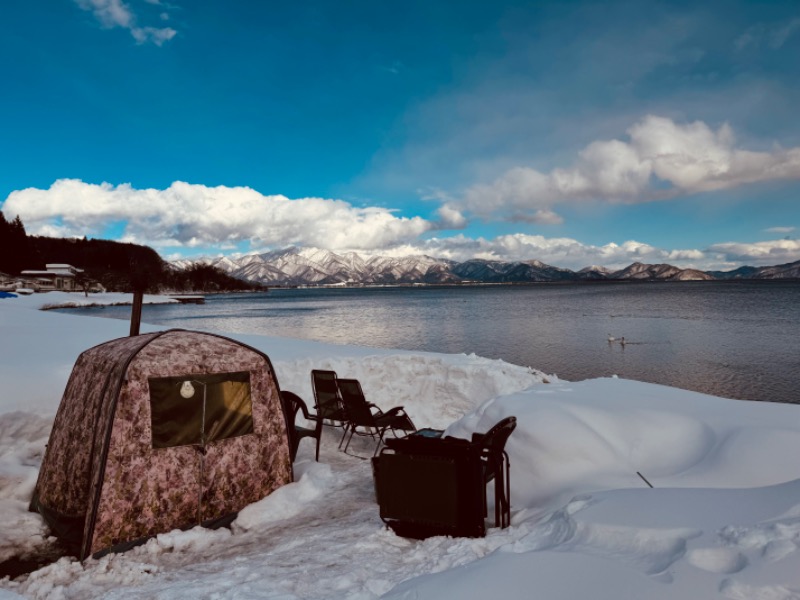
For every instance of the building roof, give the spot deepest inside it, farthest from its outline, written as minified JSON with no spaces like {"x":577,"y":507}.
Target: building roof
{"x":53,"y":270}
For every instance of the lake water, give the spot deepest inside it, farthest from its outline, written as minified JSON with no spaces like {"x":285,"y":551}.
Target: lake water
{"x":738,"y":340}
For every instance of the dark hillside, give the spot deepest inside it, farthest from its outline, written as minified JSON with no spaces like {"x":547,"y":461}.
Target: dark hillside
{"x":111,"y":263}
{"x":118,"y":266}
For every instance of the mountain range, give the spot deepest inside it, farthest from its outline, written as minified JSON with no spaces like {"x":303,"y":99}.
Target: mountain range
{"x":313,"y":266}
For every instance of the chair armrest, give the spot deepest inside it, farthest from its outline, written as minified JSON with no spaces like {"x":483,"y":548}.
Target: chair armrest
{"x":304,"y":409}
{"x":397,"y":410}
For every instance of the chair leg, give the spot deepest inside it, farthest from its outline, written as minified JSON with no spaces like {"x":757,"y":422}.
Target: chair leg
{"x":501,"y":495}
{"x":498,"y":496}
{"x":350,"y":439}
{"x":341,"y":441}
{"x":294,"y":445}
{"x":502,"y":490}
{"x":508,"y":491}
{"x":380,"y":441}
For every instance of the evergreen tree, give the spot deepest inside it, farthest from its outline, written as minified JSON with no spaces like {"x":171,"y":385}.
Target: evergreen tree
{"x":5,"y":245}
{"x":16,"y":251}
{"x":118,"y":266}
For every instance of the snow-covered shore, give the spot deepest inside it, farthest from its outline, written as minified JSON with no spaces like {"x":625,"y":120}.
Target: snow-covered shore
{"x":723,"y":519}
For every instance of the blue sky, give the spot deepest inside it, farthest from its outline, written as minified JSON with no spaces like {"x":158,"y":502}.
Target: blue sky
{"x":575,"y":133}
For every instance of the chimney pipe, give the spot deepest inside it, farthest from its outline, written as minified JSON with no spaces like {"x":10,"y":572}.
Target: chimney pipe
{"x":136,"y":312}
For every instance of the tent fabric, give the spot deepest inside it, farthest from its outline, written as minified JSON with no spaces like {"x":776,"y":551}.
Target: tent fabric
{"x":102,"y":474}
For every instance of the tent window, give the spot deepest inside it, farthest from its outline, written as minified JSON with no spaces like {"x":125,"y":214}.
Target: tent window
{"x":200,"y":409}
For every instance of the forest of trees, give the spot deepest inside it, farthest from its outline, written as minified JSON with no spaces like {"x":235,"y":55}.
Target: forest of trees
{"x":16,"y":251}
{"x":119,"y":267}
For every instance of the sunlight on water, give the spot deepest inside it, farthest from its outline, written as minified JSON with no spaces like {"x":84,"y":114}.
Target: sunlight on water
{"x":739,"y":340}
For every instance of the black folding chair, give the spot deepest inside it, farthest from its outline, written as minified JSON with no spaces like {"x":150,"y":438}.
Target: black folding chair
{"x":327,"y":399}
{"x":364,"y":418}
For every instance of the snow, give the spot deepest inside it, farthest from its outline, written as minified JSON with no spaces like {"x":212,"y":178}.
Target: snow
{"x":722,"y":520}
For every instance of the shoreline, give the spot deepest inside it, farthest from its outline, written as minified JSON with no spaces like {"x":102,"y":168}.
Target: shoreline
{"x":304,"y":286}
{"x":735,"y":383}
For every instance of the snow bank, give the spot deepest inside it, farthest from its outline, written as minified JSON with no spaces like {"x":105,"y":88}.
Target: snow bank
{"x":578,"y":436}
{"x":723,"y":519}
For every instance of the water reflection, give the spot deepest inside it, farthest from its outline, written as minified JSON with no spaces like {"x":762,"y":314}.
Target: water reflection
{"x":735,"y":340}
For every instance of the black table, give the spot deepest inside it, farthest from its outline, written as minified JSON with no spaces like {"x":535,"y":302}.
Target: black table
{"x":430,"y":485}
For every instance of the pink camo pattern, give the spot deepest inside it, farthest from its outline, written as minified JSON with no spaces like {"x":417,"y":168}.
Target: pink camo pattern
{"x":146,"y":491}
{"x":64,"y":476}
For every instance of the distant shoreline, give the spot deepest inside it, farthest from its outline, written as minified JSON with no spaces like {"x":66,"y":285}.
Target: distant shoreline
{"x":171,"y":299}
{"x":350,"y":286}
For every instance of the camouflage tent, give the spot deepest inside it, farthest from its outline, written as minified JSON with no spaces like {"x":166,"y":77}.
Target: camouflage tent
{"x":161,"y":431}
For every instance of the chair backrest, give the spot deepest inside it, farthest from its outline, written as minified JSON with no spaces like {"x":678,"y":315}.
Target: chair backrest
{"x":295,"y":404}
{"x":327,"y":398}
{"x":355,"y":403}
{"x":495,"y":439}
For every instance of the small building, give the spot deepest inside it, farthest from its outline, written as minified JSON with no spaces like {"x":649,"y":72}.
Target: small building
{"x":6,"y":282}
{"x":61,"y":277}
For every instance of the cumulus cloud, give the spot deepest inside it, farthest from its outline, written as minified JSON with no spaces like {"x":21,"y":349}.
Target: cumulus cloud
{"x":217,"y":219}
{"x":660,"y":159}
{"x":558,"y":251}
{"x":115,"y":13}
{"x":572,"y":254}
{"x":451,"y":218}
{"x":197,"y":215}
{"x":772,"y":252}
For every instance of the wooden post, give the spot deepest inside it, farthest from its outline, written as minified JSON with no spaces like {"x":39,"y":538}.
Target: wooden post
{"x":136,"y":311}
{"x":139,"y":284}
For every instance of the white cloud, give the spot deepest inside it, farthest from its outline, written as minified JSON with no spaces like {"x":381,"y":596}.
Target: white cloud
{"x":153,"y":34}
{"x":573,"y":254}
{"x":196,"y":215}
{"x":110,"y":13}
{"x":559,"y":252}
{"x":219,"y":219}
{"x":781,"y":230}
{"x":661,"y":159}
{"x":772,"y":252}
{"x":115,"y":13}
{"x":781,"y":34}
{"x":775,"y":36}
{"x":451,"y":218}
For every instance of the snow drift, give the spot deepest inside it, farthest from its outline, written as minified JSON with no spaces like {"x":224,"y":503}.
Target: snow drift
{"x":722,"y":521}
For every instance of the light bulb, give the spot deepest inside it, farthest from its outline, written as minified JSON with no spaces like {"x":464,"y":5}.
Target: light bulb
{"x":187,"y":389}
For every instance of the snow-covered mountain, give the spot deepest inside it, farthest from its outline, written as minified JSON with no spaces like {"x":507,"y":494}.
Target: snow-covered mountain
{"x":660,"y":272}
{"x":303,"y":266}
{"x":506,"y":272}
{"x":785,"y":271}
{"x":594,"y":272}
{"x":314,"y":266}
